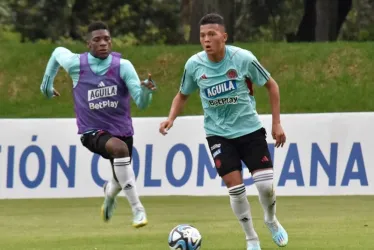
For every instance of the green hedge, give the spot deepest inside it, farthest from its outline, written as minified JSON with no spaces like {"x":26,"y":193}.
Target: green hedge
{"x":317,"y":77}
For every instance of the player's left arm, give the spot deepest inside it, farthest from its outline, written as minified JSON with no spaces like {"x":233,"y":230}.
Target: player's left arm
{"x":261,"y":77}
{"x":141,"y":92}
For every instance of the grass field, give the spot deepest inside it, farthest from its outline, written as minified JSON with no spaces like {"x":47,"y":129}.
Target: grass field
{"x":316,"y":77}
{"x":331,"y":77}
{"x":312,"y":223}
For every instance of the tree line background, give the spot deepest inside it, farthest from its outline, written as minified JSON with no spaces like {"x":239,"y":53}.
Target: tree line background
{"x":174,"y":22}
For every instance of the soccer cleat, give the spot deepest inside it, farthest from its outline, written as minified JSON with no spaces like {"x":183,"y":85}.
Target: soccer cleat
{"x":107,"y":209}
{"x":279,"y":234}
{"x":140,"y":219}
{"x":253,"y":245}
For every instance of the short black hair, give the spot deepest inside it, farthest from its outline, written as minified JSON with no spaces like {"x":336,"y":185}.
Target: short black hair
{"x":97,"y":25}
{"x":212,"y":18}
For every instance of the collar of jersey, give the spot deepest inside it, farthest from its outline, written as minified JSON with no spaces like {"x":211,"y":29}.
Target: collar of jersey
{"x":220,"y":62}
{"x":95,"y":60}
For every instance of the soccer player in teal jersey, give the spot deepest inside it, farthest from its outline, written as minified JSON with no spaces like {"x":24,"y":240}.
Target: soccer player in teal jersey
{"x":103,"y":83}
{"x":224,"y":76}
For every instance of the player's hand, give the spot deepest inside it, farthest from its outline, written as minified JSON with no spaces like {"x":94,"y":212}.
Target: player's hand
{"x":165,"y":126}
{"x":55,"y":93}
{"x":278,"y":135}
{"x":149,"y":83}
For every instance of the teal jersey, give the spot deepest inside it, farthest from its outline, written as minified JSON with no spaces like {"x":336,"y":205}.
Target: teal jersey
{"x":226,"y":90}
{"x":62,"y":57}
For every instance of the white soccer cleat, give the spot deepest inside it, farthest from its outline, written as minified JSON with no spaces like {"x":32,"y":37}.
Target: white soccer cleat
{"x":279,"y":234}
{"x":140,"y":218}
{"x":109,"y":205}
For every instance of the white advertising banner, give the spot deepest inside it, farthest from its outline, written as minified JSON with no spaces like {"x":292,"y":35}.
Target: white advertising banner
{"x":325,"y":154}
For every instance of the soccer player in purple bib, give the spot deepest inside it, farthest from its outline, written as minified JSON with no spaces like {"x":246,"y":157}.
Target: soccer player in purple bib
{"x":224,"y":76}
{"x":103,"y":83}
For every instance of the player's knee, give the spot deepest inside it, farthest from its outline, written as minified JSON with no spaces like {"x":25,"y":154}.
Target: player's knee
{"x":265,"y":188}
{"x":117,"y":148}
{"x":231,"y":183}
{"x":264,"y":182}
{"x":120,"y":151}
{"x":233,"y":178}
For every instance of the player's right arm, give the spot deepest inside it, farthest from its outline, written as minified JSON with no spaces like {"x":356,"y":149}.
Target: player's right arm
{"x":60,"y":57}
{"x":187,"y":87}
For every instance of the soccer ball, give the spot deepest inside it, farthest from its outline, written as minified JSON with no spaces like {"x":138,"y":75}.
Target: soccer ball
{"x":184,"y":237}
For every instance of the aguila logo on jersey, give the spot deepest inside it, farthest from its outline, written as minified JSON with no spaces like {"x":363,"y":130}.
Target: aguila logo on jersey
{"x":94,"y":94}
{"x":220,"y":89}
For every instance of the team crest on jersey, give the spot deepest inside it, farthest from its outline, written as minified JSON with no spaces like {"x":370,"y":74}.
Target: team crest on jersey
{"x":232,"y":74}
{"x":220,"y":89}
